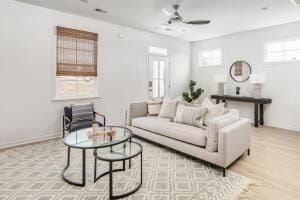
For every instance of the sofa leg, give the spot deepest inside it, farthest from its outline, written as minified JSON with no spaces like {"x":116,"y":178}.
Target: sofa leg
{"x":224,"y":172}
{"x":248,"y":152}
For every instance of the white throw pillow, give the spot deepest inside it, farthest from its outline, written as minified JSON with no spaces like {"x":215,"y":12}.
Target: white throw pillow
{"x":214,"y":110}
{"x":168,"y":109}
{"x":214,"y":125}
{"x":179,"y":112}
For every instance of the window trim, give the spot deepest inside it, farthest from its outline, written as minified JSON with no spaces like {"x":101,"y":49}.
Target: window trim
{"x":56,"y":97}
{"x":157,"y":54}
{"x":264,"y":52}
{"x":212,"y":49}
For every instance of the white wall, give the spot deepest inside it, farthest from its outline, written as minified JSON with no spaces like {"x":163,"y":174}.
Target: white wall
{"x":27,"y":32}
{"x":282,"y":79}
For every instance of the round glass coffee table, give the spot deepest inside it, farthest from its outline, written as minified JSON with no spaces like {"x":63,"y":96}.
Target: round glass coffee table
{"x":79,"y":139}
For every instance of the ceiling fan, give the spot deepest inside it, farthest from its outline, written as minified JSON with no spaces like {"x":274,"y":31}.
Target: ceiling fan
{"x":176,"y":17}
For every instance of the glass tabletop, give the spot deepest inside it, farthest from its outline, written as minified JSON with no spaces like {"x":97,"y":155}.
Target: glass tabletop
{"x":85,"y":139}
{"x":119,"y":152}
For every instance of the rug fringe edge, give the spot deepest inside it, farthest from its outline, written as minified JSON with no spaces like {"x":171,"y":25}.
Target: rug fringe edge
{"x":248,"y":191}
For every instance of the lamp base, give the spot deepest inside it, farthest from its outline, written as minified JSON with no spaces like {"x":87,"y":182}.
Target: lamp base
{"x":220,"y":89}
{"x":257,"y":91}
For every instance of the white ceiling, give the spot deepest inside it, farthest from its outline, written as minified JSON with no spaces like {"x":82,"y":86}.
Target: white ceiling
{"x":227,"y":16}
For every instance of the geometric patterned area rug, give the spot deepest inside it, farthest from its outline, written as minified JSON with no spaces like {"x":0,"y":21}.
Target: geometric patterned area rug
{"x":34,"y":172}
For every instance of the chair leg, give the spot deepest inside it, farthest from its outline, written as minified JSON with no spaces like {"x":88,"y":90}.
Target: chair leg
{"x":63,"y":126}
{"x":248,"y":152}
{"x":224,"y":172}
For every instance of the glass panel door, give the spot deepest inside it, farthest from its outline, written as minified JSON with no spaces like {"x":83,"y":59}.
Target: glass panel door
{"x":158,"y":76}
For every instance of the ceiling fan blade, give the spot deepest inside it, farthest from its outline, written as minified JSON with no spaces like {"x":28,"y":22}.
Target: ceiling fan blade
{"x":168,"y":12}
{"x":196,"y":22}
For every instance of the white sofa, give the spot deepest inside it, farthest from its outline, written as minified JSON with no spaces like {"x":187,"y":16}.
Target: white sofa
{"x":233,"y":140}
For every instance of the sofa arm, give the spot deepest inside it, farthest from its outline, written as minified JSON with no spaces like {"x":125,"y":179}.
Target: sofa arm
{"x":139,"y":109}
{"x":233,"y":141}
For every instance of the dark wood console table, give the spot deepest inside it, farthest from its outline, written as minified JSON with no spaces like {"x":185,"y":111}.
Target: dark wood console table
{"x":255,"y":101}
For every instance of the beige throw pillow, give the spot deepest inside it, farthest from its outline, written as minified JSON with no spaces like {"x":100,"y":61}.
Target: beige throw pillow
{"x":154,"y":106}
{"x":214,"y":110}
{"x":168,"y":109}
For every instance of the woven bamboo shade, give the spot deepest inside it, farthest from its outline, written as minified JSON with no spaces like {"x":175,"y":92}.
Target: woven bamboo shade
{"x":76,"y":52}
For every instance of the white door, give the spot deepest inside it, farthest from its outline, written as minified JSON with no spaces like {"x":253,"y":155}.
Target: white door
{"x":159,"y":76}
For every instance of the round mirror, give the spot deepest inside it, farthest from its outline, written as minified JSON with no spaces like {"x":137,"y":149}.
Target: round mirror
{"x":240,"y":71}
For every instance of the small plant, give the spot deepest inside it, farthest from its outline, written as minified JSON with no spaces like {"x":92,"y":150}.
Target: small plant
{"x":192,"y":95}
{"x":237,"y":90}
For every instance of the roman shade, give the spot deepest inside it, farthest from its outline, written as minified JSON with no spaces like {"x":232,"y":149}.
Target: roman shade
{"x":76,"y":52}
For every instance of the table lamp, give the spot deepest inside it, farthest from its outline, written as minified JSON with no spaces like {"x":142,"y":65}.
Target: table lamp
{"x":220,"y":79}
{"x":257,"y":80}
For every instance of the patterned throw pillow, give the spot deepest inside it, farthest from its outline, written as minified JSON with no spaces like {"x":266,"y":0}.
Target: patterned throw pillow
{"x":82,"y":113}
{"x":194,"y":116}
{"x":168,"y":109}
{"x":190,"y":115}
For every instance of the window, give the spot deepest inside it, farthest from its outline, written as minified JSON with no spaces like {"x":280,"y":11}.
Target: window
{"x":282,"y":51}
{"x":210,"y":58}
{"x":158,"y":50}
{"x":158,"y":78}
{"x":76,"y":63}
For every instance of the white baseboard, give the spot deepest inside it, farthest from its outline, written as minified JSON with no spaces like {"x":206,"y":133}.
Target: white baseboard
{"x":285,"y":126}
{"x":28,"y":141}
{"x":279,"y":125}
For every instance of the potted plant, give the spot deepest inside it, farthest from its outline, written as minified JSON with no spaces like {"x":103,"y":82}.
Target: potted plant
{"x":237,"y":90}
{"x":193,"y":94}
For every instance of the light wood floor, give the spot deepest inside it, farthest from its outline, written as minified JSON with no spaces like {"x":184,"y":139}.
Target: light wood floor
{"x":275,"y":161}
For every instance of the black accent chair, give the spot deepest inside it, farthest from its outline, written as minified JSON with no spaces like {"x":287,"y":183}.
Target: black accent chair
{"x":70,"y":126}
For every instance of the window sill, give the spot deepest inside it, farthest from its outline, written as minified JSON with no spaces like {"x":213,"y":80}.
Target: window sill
{"x":201,"y":66}
{"x":75,"y":98}
{"x":281,"y":62}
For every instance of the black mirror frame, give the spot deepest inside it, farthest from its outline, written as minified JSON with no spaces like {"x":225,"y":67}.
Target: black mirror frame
{"x":232,"y":67}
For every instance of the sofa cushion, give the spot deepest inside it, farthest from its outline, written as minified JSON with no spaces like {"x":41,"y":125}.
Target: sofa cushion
{"x":165,"y":127}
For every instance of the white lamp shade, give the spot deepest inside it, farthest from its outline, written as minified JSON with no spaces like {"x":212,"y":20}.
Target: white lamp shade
{"x":257,"y":78}
{"x":220,"y":78}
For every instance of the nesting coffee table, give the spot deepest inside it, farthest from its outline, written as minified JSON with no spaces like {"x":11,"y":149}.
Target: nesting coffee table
{"x":109,"y":149}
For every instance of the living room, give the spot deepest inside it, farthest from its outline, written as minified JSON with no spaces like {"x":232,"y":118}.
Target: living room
{"x":242,"y":53}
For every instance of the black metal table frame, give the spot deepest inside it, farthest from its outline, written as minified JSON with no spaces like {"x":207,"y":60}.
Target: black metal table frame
{"x":82,"y":184}
{"x":111,"y":170}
